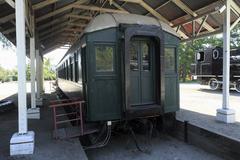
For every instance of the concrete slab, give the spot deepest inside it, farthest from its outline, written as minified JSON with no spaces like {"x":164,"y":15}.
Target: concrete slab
{"x":22,"y":144}
{"x":226,"y":115}
{"x":33,"y":113}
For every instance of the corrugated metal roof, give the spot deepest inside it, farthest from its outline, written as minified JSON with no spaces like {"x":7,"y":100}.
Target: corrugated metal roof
{"x":62,"y":21}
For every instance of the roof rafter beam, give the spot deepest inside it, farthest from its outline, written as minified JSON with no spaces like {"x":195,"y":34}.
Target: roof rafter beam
{"x":189,"y":11}
{"x":184,"y":7}
{"x":201,"y":25}
{"x":60,"y":26}
{"x":235,"y":23}
{"x":9,"y":30}
{"x":60,"y":10}
{"x":235,"y":8}
{"x":150,"y":10}
{"x":11,"y":3}
{"x":61,"y":29}
{"x":112,"y":2}
{"x":51,"y":34}
{"x":62,"y":19}
{"x":77,"y":24}
{"x":217,"y":31}
{"x":79,"y":16}
{"x":43,"y":4}
{"x":98,"y":9}
{"x":7,"y":18}
{"x":74,"y":29}
{"x":78,"y":6}
{"x":162,"y":5}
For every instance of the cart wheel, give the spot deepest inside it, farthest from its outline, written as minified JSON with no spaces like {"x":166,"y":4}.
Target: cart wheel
{"x":213,"y":83}
{"x":238,"y":86}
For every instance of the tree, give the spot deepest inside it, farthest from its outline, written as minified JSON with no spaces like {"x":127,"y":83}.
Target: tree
{"x":4,"y":41}
{"x":2,"y":74}
{"x":235,"y":36}
{"x":48,"y":72}
{"x":28,"y":72}
{"x":187,"y":53}
{"x":187,"y":50}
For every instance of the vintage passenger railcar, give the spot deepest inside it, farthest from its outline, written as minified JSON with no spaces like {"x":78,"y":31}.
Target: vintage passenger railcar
{"x":124,"y":66}
{"x":208,"y":68}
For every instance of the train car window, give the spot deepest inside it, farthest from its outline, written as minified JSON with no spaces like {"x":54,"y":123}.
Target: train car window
{"x":67,"y":77}
{"x":170,"y":59}
{"x":76,"y":67}
{"x":104,"y":58}
{"x":145,"y":56}
{"x":133,"y":56}
{"x":200,"y":56}
{"x":71,"y":68}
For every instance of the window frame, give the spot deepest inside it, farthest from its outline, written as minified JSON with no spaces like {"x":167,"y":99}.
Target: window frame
{"x":112,"y":45}
{"x":170,"y":71}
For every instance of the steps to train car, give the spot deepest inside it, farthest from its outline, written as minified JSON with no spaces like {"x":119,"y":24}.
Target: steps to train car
{"x":70,"y":123}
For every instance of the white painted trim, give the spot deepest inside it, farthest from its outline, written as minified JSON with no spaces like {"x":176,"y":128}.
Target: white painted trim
{"x":21,"y":61}
{"x":33,"y":72}
{"x":226,"y":56}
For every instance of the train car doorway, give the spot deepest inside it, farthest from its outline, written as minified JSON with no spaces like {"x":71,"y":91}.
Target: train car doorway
{"x":142,"y":69}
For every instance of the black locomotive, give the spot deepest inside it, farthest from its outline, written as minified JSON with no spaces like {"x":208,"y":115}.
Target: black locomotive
{"x":208,"y":68}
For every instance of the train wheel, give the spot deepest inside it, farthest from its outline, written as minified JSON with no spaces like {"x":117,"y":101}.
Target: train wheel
{"x":238,"y":86}
{"x":213,"y":84}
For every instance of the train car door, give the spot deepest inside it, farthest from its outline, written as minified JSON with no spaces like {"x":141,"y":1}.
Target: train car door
{"x":142,"y":67}
{"x":104,"y":83}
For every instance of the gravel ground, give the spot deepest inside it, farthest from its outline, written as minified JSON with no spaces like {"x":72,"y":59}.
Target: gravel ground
{"x":161,"y":148}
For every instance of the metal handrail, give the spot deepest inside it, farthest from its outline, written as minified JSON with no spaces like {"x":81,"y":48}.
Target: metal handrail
{"x":67,"y":103}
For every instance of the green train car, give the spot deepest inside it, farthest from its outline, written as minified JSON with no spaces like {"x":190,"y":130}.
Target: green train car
{"x":125,"y":67}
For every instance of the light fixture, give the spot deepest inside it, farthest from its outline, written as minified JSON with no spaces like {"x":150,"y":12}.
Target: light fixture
{"x":220,"y":9}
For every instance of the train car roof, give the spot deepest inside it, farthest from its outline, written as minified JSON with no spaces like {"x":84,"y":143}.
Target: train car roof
{"x":104,"y":21}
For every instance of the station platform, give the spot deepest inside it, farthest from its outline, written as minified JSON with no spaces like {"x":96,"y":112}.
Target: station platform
{"x":199,"y":105}
{"x":210,"y":123}
{"x":46,"y":147}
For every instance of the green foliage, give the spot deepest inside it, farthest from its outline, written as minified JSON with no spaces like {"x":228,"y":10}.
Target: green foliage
{"x":104,"y":58}
{"x":4,"y":41}
{"x":235,"y":36}
{"x":7,"y":75}
{"x":28,"y":72}
{"x":48,"y":72}
{"x":187,"y":50}
{"x":11,"y":75}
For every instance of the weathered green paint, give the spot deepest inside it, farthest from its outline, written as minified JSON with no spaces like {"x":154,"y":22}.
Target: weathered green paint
{"x":171,"y":78}
{"x":142,"y":81}
{"x":105,"y":91}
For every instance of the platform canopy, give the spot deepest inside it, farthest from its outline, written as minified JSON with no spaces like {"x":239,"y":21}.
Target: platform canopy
{"x":61,"y":22}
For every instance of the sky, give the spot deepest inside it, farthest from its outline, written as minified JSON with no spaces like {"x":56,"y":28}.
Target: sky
{"x":8,"y":58}
{"x":56,"y":55}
